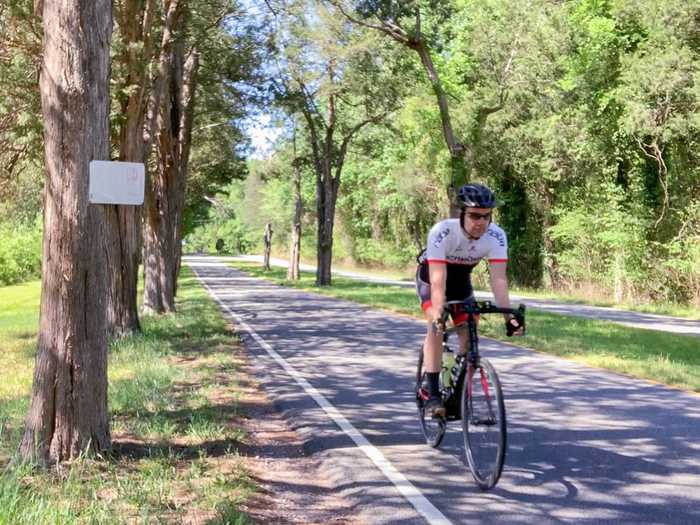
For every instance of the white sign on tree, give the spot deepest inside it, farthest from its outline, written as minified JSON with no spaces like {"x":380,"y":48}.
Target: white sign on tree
{"x":114,"y":182}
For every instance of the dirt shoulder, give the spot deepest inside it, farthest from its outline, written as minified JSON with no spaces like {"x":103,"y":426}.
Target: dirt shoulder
{"x":294,"y":488}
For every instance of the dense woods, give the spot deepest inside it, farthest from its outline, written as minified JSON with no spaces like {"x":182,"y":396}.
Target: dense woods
{"x":582,"y":115}
{"x":125,"y":80}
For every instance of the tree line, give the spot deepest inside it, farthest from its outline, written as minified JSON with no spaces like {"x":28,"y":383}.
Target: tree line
{"x":582,"y":116}
{"x":159,"y":82}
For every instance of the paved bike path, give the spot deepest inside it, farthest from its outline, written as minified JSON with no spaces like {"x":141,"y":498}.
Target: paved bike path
{"x":664,"y":323}
{"x":585,"y":446}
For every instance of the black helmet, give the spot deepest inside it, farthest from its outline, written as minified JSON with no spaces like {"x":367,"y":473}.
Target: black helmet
{"x":476,"y":196}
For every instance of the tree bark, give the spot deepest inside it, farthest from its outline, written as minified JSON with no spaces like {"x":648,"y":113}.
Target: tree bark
{"x":325,"y":209}
{"x":295,"y":244}
{"x":267,"y":241}
{"x":166,"y":193}
{"x":154,"y":245}
{"x":124,"y":242}
{"x":68,"y":411}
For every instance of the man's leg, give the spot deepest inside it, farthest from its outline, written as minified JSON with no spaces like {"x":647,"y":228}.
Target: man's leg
{"x":432,"y":362}
{"x":432,"y":349}
{"x":463,"y":334}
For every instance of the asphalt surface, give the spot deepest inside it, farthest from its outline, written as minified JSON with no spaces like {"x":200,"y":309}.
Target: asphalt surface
{"x":585,"y":446}
{"x":663,"y":323}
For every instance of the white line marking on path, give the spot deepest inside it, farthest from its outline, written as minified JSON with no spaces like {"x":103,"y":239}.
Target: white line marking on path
{"x":405,"y":487}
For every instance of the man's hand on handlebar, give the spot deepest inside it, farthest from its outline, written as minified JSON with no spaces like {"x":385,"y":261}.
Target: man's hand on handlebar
{"x":514,"y":326}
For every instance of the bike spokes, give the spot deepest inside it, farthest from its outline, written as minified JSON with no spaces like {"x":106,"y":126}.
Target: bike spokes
{"x":484,"y":424}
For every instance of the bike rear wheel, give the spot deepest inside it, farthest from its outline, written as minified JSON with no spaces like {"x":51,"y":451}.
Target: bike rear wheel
{"x":484,"y":424}
{"x":433,"y":428}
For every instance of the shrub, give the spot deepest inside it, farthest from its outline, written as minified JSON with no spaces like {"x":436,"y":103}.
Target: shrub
{"x":20,"y":252}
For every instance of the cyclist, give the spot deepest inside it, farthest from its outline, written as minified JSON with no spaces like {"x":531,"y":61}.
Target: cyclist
{"x":455,"y":247}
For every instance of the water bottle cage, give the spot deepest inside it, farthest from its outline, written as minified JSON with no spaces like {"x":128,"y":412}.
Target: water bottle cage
{"x":454,"y":372}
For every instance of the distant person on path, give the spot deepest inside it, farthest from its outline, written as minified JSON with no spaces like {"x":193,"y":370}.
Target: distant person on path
{"x":455,"y":247}
{"x":267,"y":239}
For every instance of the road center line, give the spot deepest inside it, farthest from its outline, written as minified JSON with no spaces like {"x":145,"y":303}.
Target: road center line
{"x":405,"y":487}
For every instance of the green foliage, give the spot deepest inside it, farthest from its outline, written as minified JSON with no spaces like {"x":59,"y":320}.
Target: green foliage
{"x":21,"y":134}
{"x":20,"y":252}
{"x":602,"y":244}
{"x":230,"y":55}
{"x":582,"y":115}
{"x":224,"y":230}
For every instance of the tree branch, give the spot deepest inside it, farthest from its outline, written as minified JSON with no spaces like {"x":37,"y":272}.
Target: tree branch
{"x":394,"y":31}
{"x":348,"y":137}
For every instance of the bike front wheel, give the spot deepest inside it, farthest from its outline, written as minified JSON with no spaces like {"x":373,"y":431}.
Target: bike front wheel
{"x":484,"y":423}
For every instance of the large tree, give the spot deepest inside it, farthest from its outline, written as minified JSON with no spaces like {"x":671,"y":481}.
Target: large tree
{"x":210,"y":52}
{"x":419,"y":26}
{"x":165,"y":193}
{"x":332,"y":76}
{"x":135,"y":51}
{"x":68,"y":412}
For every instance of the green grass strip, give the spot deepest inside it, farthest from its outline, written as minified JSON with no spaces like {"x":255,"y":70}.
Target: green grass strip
{"x":671,"y":359}
{"x":481,"y":279}
{"x":172,"y":395}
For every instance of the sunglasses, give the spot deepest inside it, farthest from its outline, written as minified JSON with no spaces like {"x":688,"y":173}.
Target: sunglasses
{"x":476,"y":216}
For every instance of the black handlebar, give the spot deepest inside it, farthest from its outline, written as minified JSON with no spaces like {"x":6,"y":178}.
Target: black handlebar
{"x":485,"y":307}
{"x":481,"y":307}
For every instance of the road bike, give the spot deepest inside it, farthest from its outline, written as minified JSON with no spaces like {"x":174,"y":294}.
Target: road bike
{"x":471,"y":392}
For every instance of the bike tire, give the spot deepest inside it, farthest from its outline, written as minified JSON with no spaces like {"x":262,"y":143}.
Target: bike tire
{"x":433,"y":429}
{"x":484,"y":424}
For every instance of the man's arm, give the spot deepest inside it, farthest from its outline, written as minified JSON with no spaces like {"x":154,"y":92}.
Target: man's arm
{"x":499,"y":287}
{"x":499,"y":284}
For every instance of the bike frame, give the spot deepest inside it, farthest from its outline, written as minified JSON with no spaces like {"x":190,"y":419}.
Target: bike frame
{"x":472,"y":356}
{"x":454,"y":392}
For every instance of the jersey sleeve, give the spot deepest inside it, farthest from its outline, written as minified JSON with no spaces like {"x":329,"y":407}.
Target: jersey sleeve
{"x":498,"y":252}
{"x":437,"y":243}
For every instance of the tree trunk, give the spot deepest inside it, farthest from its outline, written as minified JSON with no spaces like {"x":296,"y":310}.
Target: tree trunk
{"x":267,"y":242}
{"x":326,"y":216}
{"x":68,"y":412}
{"x":166,"y":193}
{"x":159,"y":293}
{"x":295,"y":245}
{"x":122,"y":241}
{"x":460,"y":168}
{"x":124,"y":245}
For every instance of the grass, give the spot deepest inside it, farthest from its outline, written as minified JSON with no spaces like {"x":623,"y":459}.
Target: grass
{"x":676,"y":310}
{"x":576,"y":297}
{"x":671,"y":359}
{"x":177,"y":452}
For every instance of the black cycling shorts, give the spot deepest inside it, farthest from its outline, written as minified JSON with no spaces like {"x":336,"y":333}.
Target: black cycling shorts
{"x":458,"y":287}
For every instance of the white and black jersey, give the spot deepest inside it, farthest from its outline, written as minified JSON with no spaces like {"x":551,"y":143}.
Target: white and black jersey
{"x":448,"y":244}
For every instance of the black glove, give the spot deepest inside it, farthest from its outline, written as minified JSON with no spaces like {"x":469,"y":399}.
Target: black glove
{"x":513,"y":325}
